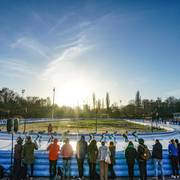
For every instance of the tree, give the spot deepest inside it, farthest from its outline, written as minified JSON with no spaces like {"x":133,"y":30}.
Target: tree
{"x":138,"y":99}
{"x":94,"y":101}
{"x":107,"y":101}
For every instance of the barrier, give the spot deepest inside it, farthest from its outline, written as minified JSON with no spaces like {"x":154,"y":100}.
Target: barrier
{"x":41,"y":166}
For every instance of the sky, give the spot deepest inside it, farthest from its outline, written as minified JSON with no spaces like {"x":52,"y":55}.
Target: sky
{"x":83,"y":46}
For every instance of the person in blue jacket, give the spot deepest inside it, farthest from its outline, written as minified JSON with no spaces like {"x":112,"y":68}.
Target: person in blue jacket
{"x":173,"y":154}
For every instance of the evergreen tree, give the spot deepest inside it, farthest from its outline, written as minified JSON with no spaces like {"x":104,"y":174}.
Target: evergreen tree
{"x":138,"y":99}
{"x":107,"y":101}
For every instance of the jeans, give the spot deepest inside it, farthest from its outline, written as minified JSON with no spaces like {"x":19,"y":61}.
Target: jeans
{"x":66,"y":167}
{"x":143,"y":170}
{"x":52,"y":167}
{"x":111,"y":168}
{"x":174,"y":163}
{"x":131,"y":170}
{"x":92,"y":171}
{"x":80,"y":163}
{"x":103,"y":170}
{"x":17,"y":167}
{"x":26,"y":168}
{"x":158,"y":163}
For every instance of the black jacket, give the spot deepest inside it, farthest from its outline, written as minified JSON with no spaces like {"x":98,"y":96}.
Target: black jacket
{"x":130,"y":154}
{"x":157,"y":151}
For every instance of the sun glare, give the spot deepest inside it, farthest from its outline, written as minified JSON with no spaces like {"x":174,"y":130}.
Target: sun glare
{"x":72,"y":93}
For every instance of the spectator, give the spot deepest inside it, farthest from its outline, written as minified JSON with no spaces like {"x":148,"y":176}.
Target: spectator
{"x":53,"y":149}
{"x":178,"y":146}
{"x":102,"y":153}
{"x":67,"y":153}
{"x":28,"y":154}
{"x":17,"y":157}
{"x":50,"y":128}
{"x":157,"y":158}
{"x":81,"y":150}
{"x":173,"y":154}
{"x":130,"y":154}
{"x":112,"y":150}
{"x":125,"y":136}
{"x":142,"y":161}
{"x":92,"y":157}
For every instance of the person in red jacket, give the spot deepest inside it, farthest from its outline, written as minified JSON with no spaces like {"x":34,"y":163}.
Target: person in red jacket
{"x":67,"y":153}
{"x":53,"y":149}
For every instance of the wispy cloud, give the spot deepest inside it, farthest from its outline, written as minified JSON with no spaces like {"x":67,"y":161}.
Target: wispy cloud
{"x":16,"y":68}
{"x":70,"y":53}
{"x":31,"y":44}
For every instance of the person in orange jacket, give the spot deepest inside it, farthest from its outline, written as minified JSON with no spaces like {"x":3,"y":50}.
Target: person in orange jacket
{"x":54,"y":150}
{"x":67,"y":153}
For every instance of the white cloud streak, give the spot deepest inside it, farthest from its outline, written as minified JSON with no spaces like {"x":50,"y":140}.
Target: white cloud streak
{"x":31,"y":44}
{"x":12,"y":67}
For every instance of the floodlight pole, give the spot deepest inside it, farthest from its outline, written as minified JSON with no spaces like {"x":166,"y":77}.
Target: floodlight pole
{"x":52,"y":117}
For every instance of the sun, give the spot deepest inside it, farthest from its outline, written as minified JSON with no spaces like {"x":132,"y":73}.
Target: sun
{"x":72,"y":93}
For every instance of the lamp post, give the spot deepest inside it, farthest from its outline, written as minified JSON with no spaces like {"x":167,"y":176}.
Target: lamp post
{"x":52,"y":117}
{"x":96,"y":120}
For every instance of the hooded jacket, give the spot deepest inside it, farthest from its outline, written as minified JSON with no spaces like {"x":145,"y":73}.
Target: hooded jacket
{"x":28,"y":152}
{"x":157,"y":151}
{"x":81,"y":149}
{"x":130,"y":154}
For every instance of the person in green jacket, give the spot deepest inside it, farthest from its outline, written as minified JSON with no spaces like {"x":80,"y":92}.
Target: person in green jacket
{"x":28,"y":154}
{"x":130,"y":154}
{"x":92,"y":157}
{"x":112,"y":149}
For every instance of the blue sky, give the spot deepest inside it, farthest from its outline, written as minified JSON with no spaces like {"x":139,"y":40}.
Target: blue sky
{"x":80,"y":47}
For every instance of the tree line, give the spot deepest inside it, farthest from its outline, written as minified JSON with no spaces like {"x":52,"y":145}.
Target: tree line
{"x":13,"y":104}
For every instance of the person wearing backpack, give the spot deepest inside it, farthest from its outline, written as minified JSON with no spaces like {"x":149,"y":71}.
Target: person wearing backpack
{"x":157,"y":158}
{"x":81,"y":151}
{"x":112,"y":149}
{"x":92,"y":157}
{"x":143,"y":155}
{"x":130,"y":154}
{"x":173,"y":154}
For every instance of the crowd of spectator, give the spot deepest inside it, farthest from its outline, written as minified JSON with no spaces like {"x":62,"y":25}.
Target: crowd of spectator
{"x":104,"y":156}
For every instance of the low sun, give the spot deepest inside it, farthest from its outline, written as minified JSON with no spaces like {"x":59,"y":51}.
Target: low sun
{"x":72,"y":93}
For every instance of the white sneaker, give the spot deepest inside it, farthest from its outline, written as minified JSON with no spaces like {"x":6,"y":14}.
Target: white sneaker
{"x":177,"y":177}
{"x":173,"y":177}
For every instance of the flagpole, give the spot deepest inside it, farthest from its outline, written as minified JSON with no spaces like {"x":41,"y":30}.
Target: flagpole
{"x":53,"y":104}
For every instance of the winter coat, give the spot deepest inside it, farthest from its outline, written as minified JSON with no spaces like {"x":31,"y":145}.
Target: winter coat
{"x":130,"y":154}
{"x":53,"y":151}
{"x":92,"y":153}
{"x":140,"y":152}
{"x":157,"y":151}
{"x":103,"y":150}
{"x":28,"y":152}
{"x":112,"y":150}
{"x":18,"y":151}
{"x":81,"y":149}
{"x":173,"y":151}
{"x":67,"y":151}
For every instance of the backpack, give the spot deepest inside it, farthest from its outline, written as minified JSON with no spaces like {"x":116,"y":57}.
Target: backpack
{"x":146,"y":155}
